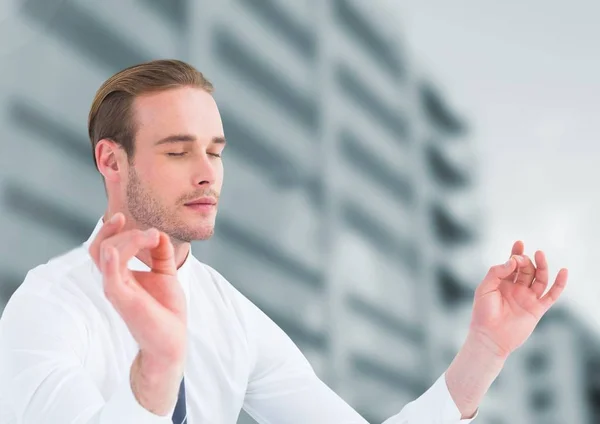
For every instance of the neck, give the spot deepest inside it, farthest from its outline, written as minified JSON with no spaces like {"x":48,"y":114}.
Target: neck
{"x":181,"y":248}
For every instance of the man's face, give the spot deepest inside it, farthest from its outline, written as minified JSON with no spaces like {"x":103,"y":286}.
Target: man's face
{"x":176,"y":176}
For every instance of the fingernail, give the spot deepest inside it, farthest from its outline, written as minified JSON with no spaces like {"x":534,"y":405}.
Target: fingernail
{"x":508,"y":263}
{"x":114,"y":218}
{"x":151,"y":233}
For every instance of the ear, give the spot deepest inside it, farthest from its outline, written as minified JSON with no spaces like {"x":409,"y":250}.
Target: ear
{"x":109,"y":157}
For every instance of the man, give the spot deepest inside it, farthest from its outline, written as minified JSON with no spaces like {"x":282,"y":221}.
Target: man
{"x":131,"y":328}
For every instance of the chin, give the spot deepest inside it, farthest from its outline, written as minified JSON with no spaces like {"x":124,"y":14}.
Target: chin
{"x":205,"y":233}
{"x":191,"y":231}
{"x":202,"y":231}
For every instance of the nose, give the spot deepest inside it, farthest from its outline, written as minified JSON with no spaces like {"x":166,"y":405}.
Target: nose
{"x":204,"y":171}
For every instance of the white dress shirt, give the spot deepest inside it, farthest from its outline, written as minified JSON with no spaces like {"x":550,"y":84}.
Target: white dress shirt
{"x":65,"y":357}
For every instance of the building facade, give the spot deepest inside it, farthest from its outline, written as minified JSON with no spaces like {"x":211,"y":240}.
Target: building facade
{"x":558,"y":372}
{"x":349,"y":210}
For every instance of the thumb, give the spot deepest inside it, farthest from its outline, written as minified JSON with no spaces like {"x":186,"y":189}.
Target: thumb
{"x":497,"y":273}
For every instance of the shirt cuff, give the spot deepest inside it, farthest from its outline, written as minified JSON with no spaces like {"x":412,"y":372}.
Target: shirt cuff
{"x":435,"y":406}
{"x":449,"y":412}
{"x":123,"y":407}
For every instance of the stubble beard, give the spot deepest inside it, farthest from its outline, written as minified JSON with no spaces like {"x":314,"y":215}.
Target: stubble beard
{"x":147,"y":210}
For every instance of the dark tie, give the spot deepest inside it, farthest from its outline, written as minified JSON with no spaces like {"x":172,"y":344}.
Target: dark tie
{"x":180,"y":413}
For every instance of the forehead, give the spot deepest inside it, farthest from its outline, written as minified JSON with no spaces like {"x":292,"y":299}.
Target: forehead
{"x":183,"y":110}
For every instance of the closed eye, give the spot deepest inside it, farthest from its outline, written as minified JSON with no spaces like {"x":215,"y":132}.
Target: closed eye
{"x":180,"y":154}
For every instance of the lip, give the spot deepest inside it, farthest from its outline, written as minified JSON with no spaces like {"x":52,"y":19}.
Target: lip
{"x":207,"y":201}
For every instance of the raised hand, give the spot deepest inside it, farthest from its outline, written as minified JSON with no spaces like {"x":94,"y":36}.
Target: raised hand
{"x":510,"y":301}
{"x":152,"y":305}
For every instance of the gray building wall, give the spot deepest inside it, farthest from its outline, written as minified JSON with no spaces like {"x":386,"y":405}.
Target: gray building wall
{"x":349,"y":210}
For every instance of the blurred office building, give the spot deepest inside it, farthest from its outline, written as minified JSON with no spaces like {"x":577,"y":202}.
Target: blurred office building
{"x":350,"y":210}
{"x":554,"y":378}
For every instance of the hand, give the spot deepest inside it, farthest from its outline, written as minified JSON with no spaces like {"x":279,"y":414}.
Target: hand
{"x":151,"y":303}
{"x":510,"y":301}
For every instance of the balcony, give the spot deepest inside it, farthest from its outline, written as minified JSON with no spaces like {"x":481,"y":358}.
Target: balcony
{"x":454,"y":292}
{"x":41,"y":123}
{"x":390,"y":245}
{"x":239,"y":57}
{"x":385,"y":321}
{"x":89,"y":36}
{"x":37,"y":223}
{"x":285,"y":289}
{"x":365,"y":34}
{"x":388,"y":116}
{"x":175,"y":12}
{"x":439,"y":113}
{"x":268,"y":251}
{"x":446,"y":173}
{"x":365,"y":161}
{"x":284,"y":26}
{"x":448,"y":229}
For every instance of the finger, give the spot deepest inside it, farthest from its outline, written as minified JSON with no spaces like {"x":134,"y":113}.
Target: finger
{"x":115,"y":289}
{"x":518,"y":248}
{"x":556,"y":290}
{"x":129,"y":243}
{"x":108,"y":229}
{"x":496,"y":275}
{"x":526,"y":271}
{"x":541,"y":274}
{"x":142,"y":313}
{"x":163,"y":256}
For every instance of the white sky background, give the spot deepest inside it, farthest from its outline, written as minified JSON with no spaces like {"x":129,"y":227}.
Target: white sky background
{"x":527,"y":76}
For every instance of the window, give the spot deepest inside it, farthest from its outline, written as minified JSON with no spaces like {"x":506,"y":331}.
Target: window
{"x":537,"y":362}
{"x":541,"y":400}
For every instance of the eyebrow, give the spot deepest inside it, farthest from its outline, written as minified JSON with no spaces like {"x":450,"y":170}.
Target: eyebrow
{"x":187,"y":138}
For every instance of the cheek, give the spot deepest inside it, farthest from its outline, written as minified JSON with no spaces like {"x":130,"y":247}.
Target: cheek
{"x":164,"y":182}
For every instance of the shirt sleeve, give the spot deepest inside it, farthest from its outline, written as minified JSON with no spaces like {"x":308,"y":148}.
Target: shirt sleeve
{"x":42,"y":379}
{"x":284,"y":389}
{"x":434,"y":406}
